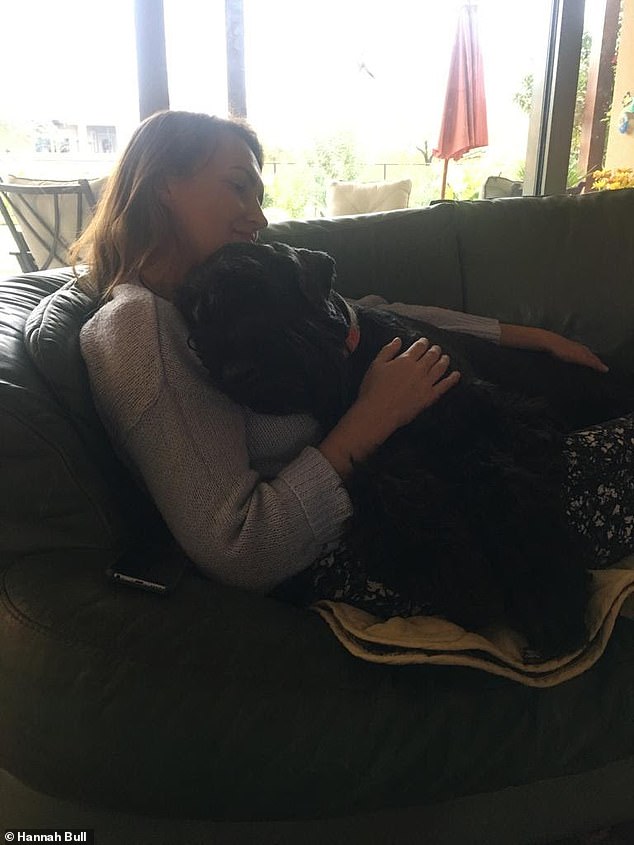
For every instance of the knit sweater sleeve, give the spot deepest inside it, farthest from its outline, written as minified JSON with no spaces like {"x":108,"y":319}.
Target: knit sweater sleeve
{"x":188,"y":442}
{"x":487,"y":328}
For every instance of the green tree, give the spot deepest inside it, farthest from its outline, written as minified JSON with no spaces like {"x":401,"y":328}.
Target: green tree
{"x":524,"y":97}
{"x":301,"y":180}
{"x":335,"y":157}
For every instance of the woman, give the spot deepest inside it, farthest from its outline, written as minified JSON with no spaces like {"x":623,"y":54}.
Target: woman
{"x":252,"y":499}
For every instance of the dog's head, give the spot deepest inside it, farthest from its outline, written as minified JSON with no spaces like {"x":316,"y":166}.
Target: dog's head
{"x":269,"y":328}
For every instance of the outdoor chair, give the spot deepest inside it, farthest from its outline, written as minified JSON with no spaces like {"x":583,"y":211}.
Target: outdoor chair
{"x":45,"y":217}
{"x":499,"y":186}
{"x":346,"y":198}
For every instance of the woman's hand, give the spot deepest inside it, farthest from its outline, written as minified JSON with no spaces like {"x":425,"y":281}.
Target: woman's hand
{"x":395,"y":389}
{"x":573,"y":352}
{"x":398,"y":387}
{"x":528,"y":337}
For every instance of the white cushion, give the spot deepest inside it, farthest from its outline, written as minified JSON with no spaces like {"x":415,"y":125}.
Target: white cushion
{"x":44,"y":206}
{"x":367,"y":197}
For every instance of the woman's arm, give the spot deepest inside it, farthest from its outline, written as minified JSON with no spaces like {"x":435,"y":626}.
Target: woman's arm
{"x":529,"y":337}
{"x":488,"y":328}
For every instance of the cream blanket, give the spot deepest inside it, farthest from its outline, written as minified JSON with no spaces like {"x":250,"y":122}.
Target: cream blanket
{"x":415,"y":640}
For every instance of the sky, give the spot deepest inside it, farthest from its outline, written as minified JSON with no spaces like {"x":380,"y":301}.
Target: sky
{"x":377,"y":69}
{"x":307,"y":64}
{"x":69,"y":59}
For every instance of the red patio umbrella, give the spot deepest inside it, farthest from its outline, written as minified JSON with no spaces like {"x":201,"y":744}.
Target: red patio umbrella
{"x":464,"y":119}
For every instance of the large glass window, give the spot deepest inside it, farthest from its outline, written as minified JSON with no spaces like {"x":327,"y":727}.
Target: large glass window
{"x":339,"y":90}
{"x":349,"y":90}
{"x":69,"y":97}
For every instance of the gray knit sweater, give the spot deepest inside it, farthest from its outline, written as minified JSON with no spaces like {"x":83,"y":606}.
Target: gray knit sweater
{"x":247,"y":496}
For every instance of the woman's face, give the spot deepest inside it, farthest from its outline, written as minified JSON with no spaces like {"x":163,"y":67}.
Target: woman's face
{"x":219,"y":203}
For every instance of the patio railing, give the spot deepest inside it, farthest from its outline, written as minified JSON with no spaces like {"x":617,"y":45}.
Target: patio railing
{"x":383,"y":165}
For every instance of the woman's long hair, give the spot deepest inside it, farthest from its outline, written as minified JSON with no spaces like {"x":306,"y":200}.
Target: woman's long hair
{"x":130,"y":223}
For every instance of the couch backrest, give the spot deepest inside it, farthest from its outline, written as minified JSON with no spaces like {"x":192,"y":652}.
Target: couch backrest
{"x":409,"y":255}
{"x":561,"y":262}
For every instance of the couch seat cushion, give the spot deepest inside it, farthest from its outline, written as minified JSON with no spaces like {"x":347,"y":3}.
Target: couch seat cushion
{"x":216,"y":703}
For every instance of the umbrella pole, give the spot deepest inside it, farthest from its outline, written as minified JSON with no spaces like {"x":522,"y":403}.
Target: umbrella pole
{"x":444,"y":179}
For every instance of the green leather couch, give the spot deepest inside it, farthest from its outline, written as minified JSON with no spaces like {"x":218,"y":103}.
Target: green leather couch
{"x":216,"y":716}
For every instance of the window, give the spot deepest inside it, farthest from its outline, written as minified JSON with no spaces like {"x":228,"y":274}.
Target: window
{"x":362,"y":97}
{"x":69,"y":96}
{"x":69,"y":93}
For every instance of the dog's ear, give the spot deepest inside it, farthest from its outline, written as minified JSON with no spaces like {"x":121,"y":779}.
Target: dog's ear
{"x":318,"y":274}
{"x":316,"y":270}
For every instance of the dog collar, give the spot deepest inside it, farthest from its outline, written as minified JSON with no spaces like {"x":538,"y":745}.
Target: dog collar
{"x":353,"y":338}
{"x":354,"y":333}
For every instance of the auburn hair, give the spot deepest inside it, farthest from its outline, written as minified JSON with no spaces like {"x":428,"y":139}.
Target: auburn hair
{"x":130,"y":222}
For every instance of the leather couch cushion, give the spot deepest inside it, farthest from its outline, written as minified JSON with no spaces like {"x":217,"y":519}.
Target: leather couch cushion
{"x":406,"y":256}
{"x":48,"y":485}
{"x":217,"y":703}
{"x":51,"y":337}
{"x":61,"y":485}
{"x":564,"y":263}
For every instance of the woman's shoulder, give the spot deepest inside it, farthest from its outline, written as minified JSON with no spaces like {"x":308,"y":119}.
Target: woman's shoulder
{"x":135,"y":346}
{"x":135,"y":321}
{"x":130,"y":305}
{"x":119,"y":345}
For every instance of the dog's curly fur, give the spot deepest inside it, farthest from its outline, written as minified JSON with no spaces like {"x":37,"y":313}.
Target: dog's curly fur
{"x":461,"y":509}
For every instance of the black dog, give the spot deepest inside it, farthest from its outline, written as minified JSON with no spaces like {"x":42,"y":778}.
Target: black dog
{"x":461,"y":509}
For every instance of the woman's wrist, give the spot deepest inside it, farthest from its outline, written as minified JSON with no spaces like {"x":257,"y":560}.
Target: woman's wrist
{"x":524,"y":337}
{"x":357,"y":434}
